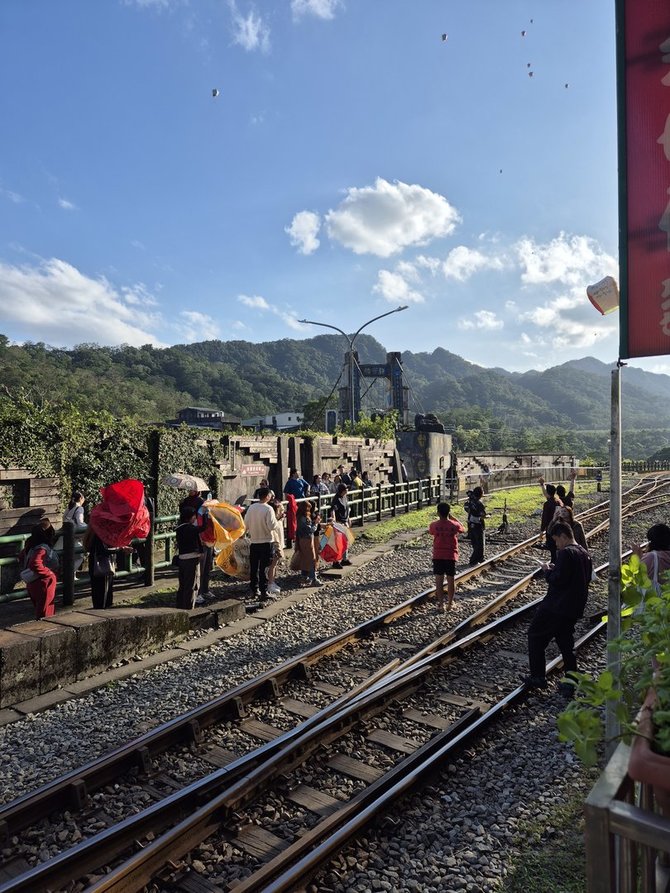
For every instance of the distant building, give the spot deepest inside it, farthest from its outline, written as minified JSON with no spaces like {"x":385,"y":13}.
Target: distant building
{"x":280,"y":421}
{"x":201,"y":417}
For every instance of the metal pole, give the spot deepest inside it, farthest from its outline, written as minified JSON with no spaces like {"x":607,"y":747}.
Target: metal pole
{"x":67,"y":560}
{"x":352,"y":411}
{"x":612,"y":724}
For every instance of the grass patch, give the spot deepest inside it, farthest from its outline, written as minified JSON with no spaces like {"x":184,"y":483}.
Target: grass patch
{"x":521,"y":503}
{"x":552,"y":854}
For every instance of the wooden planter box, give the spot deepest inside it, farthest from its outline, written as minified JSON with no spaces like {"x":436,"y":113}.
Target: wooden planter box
{"x":644,"y":764}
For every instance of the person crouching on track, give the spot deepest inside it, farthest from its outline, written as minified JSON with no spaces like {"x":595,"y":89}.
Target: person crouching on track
{"x":560,"y":609}
{"x":445,"y":552}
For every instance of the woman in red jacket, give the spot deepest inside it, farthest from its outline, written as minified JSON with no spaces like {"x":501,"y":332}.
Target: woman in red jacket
{"x":40,"y":564}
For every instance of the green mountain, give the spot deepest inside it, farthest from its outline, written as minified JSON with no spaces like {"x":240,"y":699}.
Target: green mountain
{"x":489,"y":408}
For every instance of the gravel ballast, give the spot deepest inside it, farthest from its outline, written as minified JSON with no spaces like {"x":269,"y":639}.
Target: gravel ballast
{"x":461,"y":833}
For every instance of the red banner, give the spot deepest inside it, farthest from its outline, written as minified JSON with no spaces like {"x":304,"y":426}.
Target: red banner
{"x":644,"y":207}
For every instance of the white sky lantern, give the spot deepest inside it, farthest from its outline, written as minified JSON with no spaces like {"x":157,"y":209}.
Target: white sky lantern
{"x":604,"y":295}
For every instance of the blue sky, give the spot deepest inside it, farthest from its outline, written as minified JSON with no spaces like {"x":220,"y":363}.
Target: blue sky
{"x":352,"y":161}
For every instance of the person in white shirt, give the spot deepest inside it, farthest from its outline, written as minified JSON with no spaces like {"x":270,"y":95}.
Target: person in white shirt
{"x":261,"y":522}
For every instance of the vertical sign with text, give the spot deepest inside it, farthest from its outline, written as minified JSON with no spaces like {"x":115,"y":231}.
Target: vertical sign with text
{"x":643,"y":33}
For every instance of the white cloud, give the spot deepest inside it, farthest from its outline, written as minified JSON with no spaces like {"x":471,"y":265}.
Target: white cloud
{"x":67,"y":205}
{"x":394,"y":288}
{"x":462,"y":262}
{"x":481,"y":319}
{"x":303,"y":231}
{"x":321,"y":9}
{"x":148,"y":4}
{"x":55,"y":302}
{"x":239,"y":326}
{"x":253,"y":301}
{"x":250,"y":31}
{"x":197,"y":326}
{"x":288,"y":317}
{"x":570,"y":260}
{"x":386,"y":218}
{"x":12,"y":196}
{"x":565,"y":266}
{"x":541,"y":316}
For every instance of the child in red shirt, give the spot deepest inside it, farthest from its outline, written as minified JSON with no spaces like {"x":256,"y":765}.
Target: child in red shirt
{"x":445,"y":552}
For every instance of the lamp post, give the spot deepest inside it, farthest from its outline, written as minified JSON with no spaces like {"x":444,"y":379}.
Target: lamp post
{"x":350,"y":341}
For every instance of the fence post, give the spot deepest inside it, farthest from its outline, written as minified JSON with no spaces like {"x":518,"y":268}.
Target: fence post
{"x":395,"y":500}
{"x":149,"y":558}
{"x":67,"y":563}
{"x":379,"y":501}
{"x":407,"y":499}
{"x":362,"y":492}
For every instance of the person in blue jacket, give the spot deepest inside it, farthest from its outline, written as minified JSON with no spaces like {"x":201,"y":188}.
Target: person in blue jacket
{"x":296,"y":485}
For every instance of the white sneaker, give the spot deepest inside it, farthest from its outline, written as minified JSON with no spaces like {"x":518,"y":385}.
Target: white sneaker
{"x":199,"y":600}
{"x":273,"y":589}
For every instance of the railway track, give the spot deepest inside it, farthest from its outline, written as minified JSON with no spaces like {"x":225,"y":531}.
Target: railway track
{"x":376,"y":658}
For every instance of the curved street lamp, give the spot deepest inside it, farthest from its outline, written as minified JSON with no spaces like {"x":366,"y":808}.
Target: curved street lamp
{"x":350,"y":340}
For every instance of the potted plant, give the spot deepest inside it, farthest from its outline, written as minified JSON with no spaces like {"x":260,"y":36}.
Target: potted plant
{"x":642,"y":696}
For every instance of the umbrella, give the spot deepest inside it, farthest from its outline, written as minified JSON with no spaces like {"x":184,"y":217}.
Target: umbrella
{"x":185,"y":482}
{"x":334,"y":542}
{"x":122,"y":515}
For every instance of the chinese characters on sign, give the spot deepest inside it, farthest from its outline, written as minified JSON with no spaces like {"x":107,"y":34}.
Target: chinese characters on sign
{"x":258,"y":470}
{"x":644,"y":86}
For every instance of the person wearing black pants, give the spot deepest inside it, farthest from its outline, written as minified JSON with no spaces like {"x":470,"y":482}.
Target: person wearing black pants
{"x":560,"y":609}
{"x":476,"y":526}
{"x":189,"y":550}
{"x":261,"y":521}
{"x":101,"y":570}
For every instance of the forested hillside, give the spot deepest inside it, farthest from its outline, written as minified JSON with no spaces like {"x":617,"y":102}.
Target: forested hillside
{"x":564,"y":407}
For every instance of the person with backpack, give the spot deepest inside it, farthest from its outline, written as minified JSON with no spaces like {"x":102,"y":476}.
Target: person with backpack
{"x":39,"y":566}
{"x":445,"y":533}
{"x":476,"y":526}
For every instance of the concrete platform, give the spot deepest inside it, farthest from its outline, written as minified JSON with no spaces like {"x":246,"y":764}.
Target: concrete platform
{"x":38,"y":657}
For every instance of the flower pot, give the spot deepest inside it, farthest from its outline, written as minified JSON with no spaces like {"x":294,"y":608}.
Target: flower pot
{"x":644,"y":764}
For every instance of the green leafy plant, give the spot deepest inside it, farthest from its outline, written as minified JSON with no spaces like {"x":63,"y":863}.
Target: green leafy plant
{"x":644,"y":646}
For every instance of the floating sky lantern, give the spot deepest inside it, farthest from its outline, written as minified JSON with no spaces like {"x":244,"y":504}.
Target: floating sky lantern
{"x":604,"y":295}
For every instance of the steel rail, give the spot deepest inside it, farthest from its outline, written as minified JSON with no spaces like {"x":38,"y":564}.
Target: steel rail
{"x":275,"y":877}
{"x":196,"y":805}
{"x":86,"y":856}
{"x":72,"y":789}
{"x":137,"y":753}
{"x":139,"y":869}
